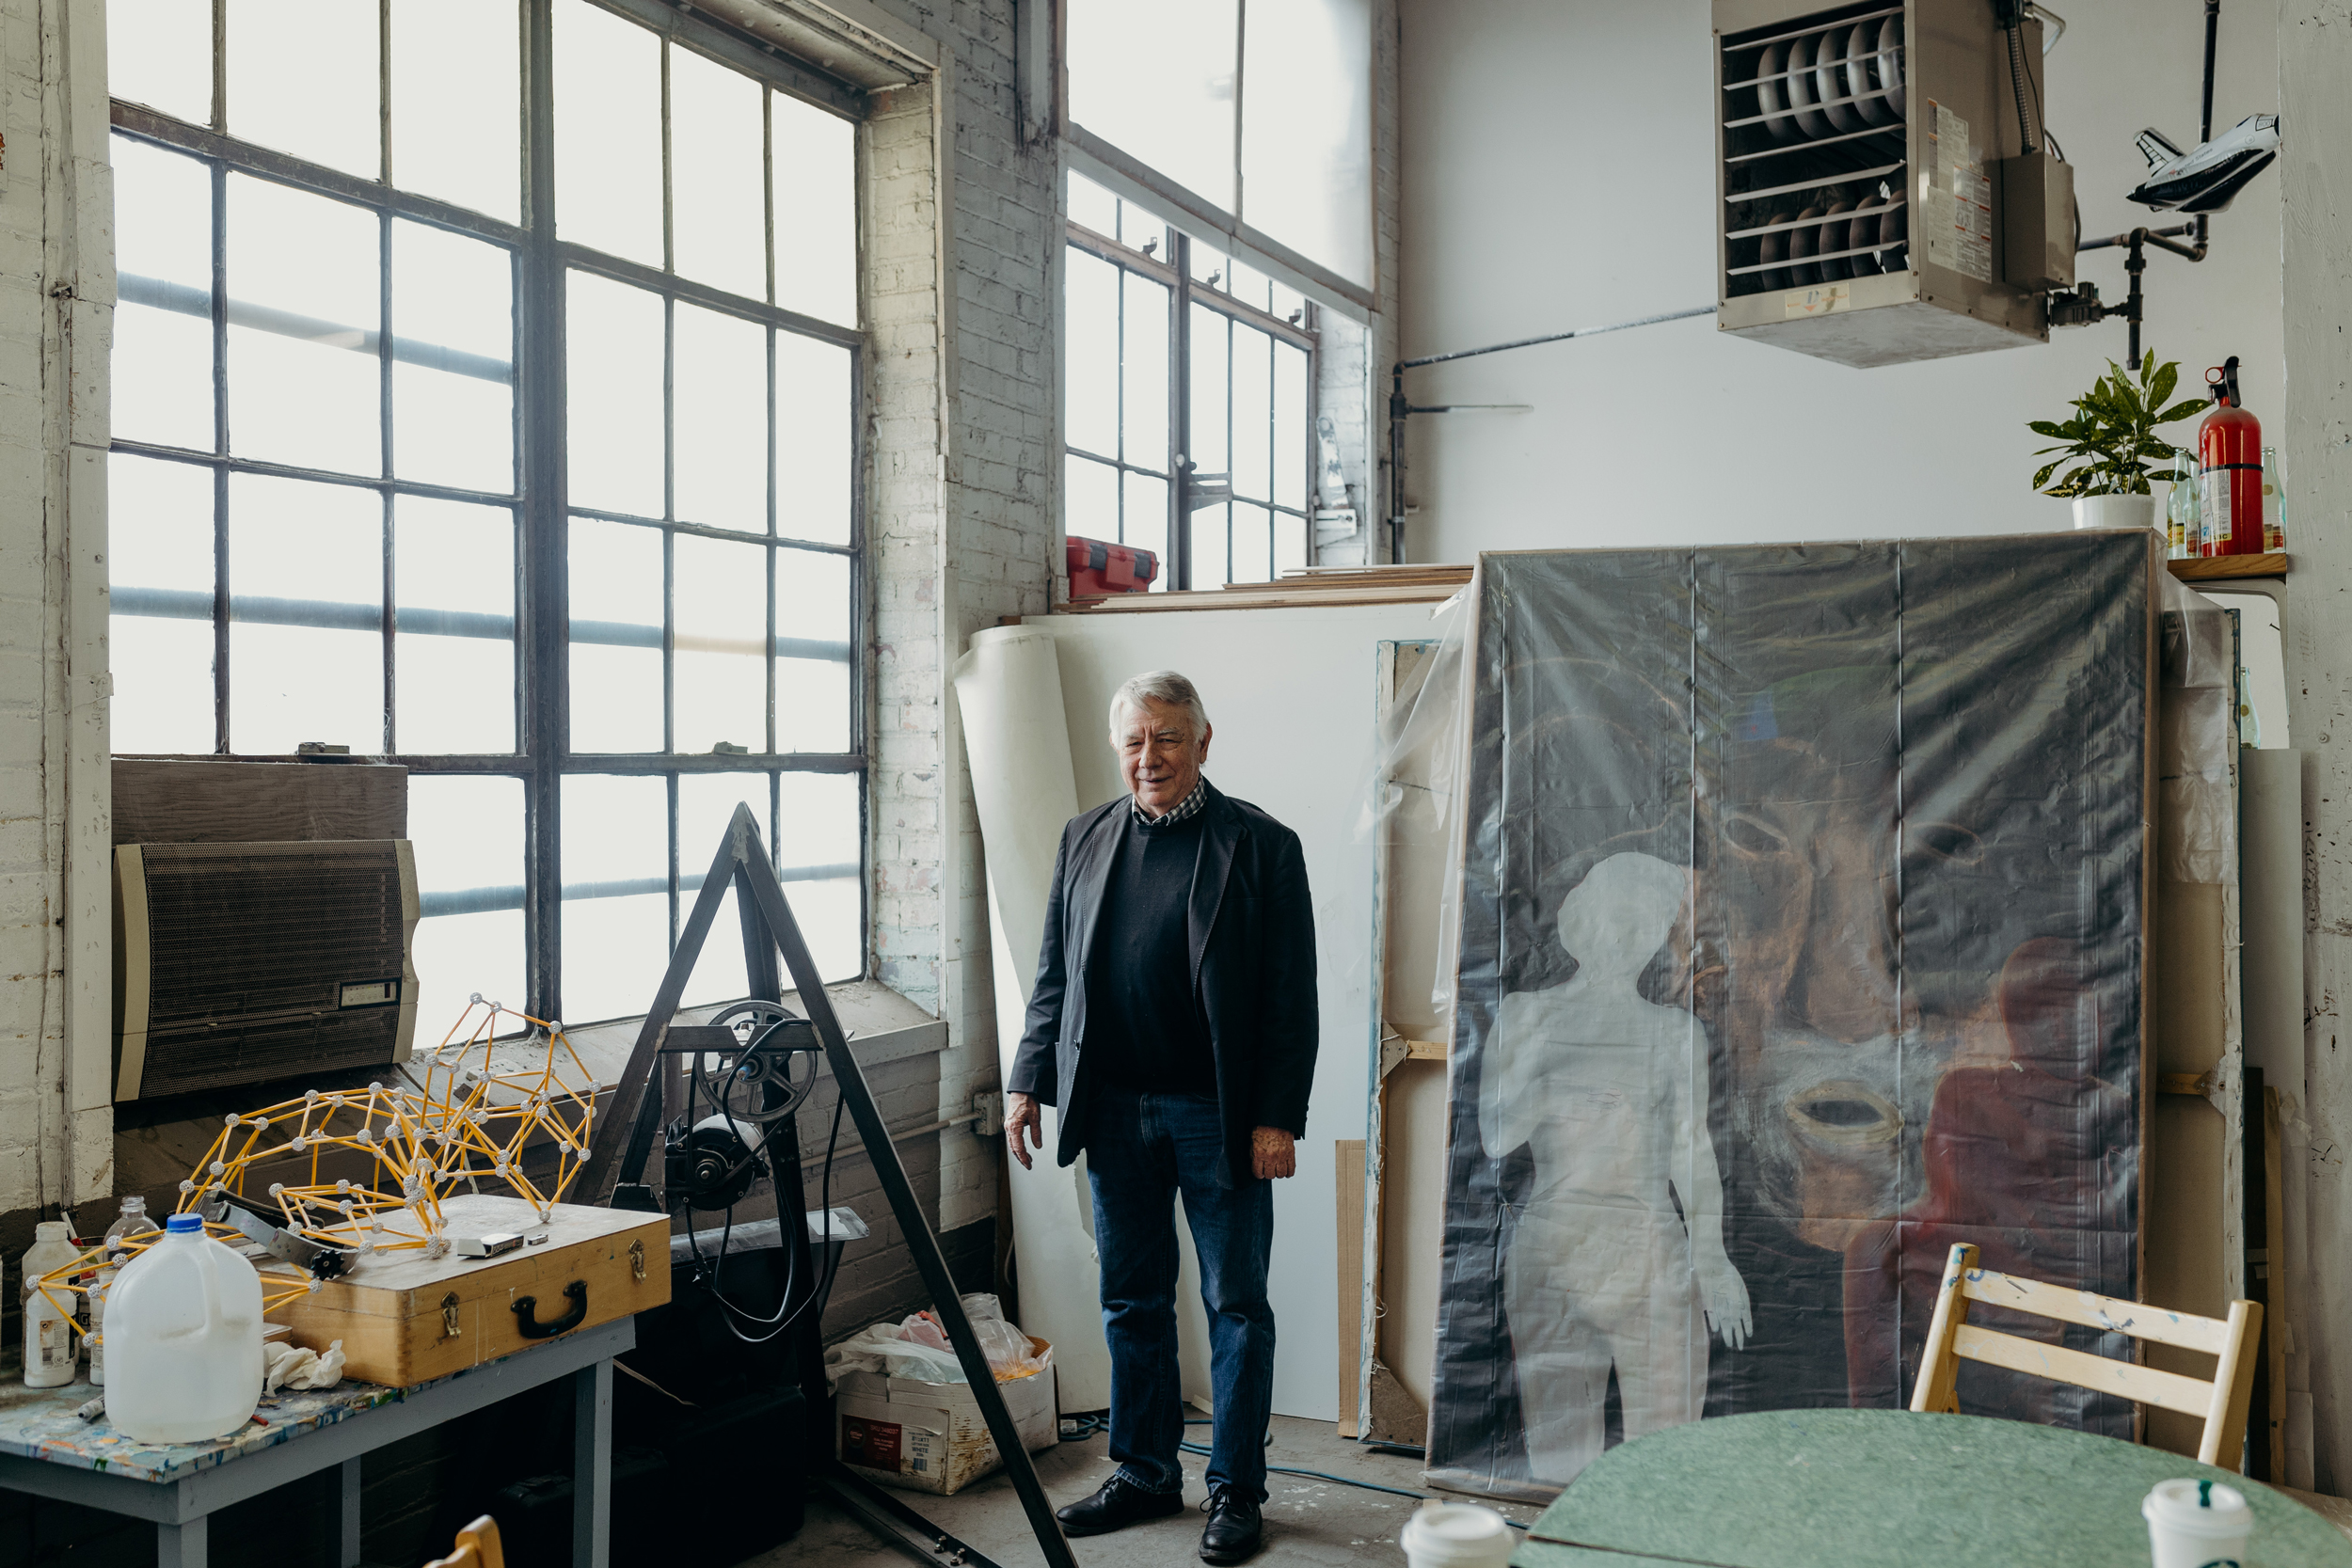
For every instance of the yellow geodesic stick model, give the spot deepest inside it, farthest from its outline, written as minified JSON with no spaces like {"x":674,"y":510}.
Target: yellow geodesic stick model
{"x":468,"y":1123}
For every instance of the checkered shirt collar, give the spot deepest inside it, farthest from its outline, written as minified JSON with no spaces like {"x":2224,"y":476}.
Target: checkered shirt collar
{"x":1189,"y":806}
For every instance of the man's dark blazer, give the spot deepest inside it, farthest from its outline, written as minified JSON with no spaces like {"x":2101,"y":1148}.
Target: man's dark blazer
{"x":1252,"y":932}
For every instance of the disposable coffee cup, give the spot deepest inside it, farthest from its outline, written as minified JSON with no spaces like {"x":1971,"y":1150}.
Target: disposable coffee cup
{"x":2196,"y":1524}
{"x":1455,"y":1535}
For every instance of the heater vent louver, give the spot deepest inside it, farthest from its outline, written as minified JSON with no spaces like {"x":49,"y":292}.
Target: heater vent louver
{"x":1858,"y":179}
{"x":240,"y":964}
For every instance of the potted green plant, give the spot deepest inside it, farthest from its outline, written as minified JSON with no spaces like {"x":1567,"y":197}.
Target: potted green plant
{"x":2112,"y":440}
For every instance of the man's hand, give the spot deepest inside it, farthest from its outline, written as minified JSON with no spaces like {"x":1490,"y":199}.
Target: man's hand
{"x":1021,"y":1115}
{"x":1273,"y":1152}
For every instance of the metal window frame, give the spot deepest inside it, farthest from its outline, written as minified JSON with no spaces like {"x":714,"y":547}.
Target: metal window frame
{"x":540,"y":627}
{"x":1185,"y":290}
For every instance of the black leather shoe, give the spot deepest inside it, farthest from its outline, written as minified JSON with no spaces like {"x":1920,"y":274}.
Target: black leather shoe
{"x":1116,"y":1504}
{"x":1235,"y":1529}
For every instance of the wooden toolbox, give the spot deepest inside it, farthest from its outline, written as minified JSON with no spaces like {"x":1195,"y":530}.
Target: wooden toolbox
{"x":405,"y":1319}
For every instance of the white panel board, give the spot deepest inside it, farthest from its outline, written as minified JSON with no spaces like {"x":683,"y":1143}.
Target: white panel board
{"x":1291,"y":695}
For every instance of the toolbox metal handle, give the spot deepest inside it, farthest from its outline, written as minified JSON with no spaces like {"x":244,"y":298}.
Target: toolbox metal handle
{"x":526,"y":1320}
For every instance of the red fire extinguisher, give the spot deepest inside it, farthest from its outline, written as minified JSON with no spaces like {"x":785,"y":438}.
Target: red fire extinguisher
{"x":2230,"y":467}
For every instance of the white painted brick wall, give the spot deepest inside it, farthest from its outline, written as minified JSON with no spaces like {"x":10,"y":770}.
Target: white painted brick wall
{"x":959,"y":544}
{"x":56,"y":289}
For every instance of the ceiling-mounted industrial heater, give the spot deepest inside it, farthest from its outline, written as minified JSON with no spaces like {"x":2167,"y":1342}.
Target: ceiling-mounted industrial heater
{"x":1862,"y":156}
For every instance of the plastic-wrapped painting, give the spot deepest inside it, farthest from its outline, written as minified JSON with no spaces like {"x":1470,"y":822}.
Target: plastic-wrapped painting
{"x":1800,"y":938}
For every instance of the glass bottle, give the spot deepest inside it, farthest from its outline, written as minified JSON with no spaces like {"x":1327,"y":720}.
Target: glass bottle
{"x":2182,"y":541}
{"x":2273,"y":502}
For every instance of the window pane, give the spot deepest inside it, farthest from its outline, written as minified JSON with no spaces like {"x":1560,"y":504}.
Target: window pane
{"x":613,"y":343}
{"x":1143,"y":373}
{"x":453,"y":651}
{"x":1248,"y":285}
{"x":813,"y":624}
{"x":453,"y":368}
{"x":303,"y":79}
{"x":304,"y":387}
{"x":706,"y":804}
{"x":1092,"y":207}
{"x":159,"y":52}
{"x":722,"y":690}
{"x":163,"y":339}
{"x":1090,"y":355}
{"x":814,"y":164}
{"x":467,"y":835}
{"x":457,"y":112}
{"x":817,"y":840}
{"x":1253,"y":409}
{"x":616,"y":894}
{"x":1289,"y":543}
{"x":1089,"y":502}
{"x":617,"y":637}
{"x":1209,"y":448}
{"x":1290,"y":426}
{"x":607,"y":132}
{"x":1306,"y":157}
{"x":1178,"y":115}
{"x":160,"y":569}
{"x":1253,"y":545}
{"x":306,"y":582}
{"x":718,"y":214}
{"x":816,"y":446}
{"x":1210,"y":547}
{"x":722,"y":436}
{"x":1147,"y":521}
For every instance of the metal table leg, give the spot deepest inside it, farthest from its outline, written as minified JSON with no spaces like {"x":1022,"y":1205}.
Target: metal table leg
{"x":351,"y":1513}
{"x":181,"y":1546}
{"x":592,"y":1466}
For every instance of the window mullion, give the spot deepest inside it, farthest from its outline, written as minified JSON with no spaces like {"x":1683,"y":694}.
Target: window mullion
{"x":1180,"y":412}
{"x":220,"y":440}
{"x":383,"y":391}
{"x":542,"y":655}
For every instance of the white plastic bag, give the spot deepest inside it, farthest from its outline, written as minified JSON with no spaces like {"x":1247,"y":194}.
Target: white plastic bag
{"x":1007,"y":1348}
{"x":917,"y":1347}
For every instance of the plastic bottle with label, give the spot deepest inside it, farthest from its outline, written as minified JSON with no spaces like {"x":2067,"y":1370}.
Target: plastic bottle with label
{"x":132,"y":1222}
{"x":184,"y":1322}
{"x":49,"y":1347}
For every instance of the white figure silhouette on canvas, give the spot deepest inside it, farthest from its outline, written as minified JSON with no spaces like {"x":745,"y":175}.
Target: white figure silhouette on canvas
{"x":1619,"y":1252}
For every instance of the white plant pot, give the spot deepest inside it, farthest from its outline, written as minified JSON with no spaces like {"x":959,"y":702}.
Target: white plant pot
{"x":2115,"y":511}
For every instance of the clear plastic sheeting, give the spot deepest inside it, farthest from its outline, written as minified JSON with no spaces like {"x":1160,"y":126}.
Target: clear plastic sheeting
{"x":2197,"y":741}
{"x":1800,"y":937}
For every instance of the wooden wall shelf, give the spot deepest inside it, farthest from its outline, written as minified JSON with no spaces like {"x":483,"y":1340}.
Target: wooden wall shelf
{"x":2214,"y":567}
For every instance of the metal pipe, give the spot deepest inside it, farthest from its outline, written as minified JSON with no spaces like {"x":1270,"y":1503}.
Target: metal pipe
{"x":2213,"y":34}
{"x":1399,"y":409}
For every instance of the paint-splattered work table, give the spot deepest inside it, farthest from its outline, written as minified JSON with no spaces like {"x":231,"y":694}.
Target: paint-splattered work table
{"x":1888,"y":1489}
{"x":47,"y":1450}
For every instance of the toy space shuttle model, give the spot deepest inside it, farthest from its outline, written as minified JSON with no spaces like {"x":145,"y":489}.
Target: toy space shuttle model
{"x":2208,"y":179}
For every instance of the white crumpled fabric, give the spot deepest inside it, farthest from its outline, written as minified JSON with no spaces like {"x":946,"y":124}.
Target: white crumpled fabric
{"x":286,"y":1366}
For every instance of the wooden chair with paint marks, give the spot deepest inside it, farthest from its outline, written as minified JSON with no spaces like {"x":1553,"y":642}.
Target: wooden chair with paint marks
{"x":477,"y":1547}
{"x":2233,"y":1342}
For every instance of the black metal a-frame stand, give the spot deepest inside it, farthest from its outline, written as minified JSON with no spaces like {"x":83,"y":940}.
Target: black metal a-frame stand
{"x":768,"y":929}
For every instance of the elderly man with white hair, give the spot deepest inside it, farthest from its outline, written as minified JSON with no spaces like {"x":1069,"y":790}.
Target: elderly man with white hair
{"x":1174,"y":1025}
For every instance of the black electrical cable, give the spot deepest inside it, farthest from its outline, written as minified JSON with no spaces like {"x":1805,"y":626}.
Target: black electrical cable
{"x":1325,"y":1475}
{"x":820,"y":1290}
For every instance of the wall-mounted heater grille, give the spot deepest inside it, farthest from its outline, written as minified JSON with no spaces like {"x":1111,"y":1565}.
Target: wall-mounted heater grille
{"x":243,"y":964}
{"x":1858,"y":177}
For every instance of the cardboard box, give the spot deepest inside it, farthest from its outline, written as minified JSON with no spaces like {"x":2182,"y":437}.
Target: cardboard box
{"x":930,"y":1436}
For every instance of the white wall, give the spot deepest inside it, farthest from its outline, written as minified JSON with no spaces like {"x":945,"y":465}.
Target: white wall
{"x":1558,"y":172}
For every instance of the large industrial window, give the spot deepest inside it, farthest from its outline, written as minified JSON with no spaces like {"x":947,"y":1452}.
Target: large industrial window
{"x":487,"y":402}
{"x":1186,"y":399}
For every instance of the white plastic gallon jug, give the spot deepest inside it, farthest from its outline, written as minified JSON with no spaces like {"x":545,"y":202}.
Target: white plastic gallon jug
{"x":184,"y":1340}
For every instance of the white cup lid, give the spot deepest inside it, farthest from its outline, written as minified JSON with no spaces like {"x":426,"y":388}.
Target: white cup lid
{"x":2207,"y":1507}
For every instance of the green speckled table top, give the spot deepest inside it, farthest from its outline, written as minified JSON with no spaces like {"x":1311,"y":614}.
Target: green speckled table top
{"x":1888,"y":1489}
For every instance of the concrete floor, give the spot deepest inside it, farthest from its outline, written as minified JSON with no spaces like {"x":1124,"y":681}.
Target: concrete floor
{"x":1307,"y":1521}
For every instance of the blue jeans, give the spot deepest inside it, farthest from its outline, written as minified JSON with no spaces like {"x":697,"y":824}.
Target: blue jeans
{"x":1141,"y":1152}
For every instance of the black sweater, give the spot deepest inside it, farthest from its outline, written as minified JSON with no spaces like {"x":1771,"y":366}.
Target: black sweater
{"x":1146,"y":1033}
